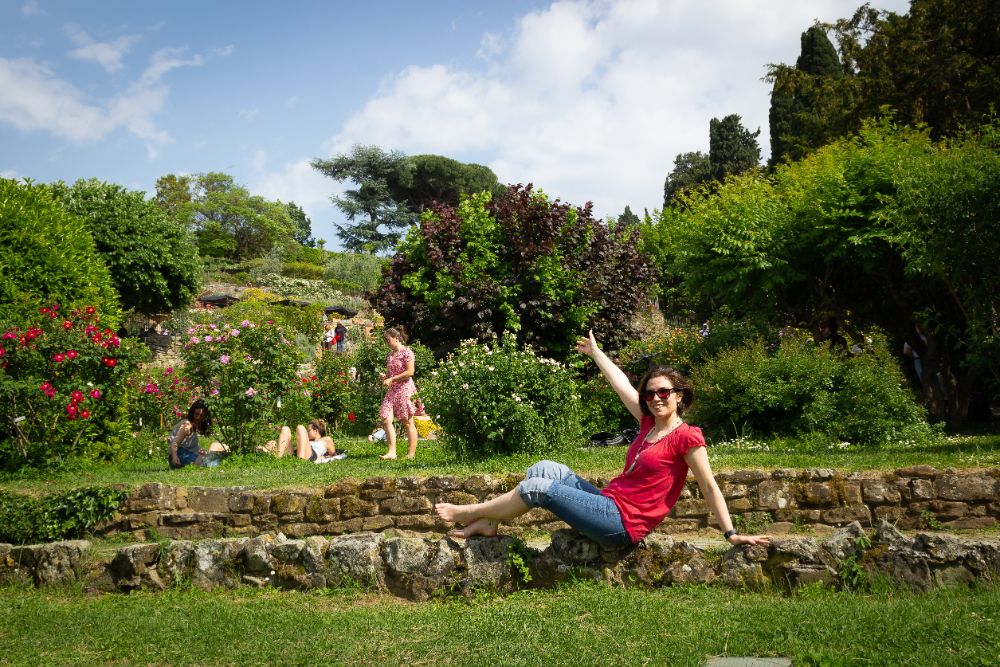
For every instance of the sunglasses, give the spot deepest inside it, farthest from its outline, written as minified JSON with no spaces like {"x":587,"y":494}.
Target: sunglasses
{"x":662,"y":392}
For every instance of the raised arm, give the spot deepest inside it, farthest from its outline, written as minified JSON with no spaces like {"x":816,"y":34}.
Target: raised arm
{"x":614,"y":375}
{"x":697,"y":460}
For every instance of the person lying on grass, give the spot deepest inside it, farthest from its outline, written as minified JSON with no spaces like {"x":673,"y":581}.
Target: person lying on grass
{"x":311,"y":442}
{"x":637,"y":500}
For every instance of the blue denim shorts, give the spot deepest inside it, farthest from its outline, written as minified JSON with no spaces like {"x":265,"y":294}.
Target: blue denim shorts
{"x":185,"y":456}
{"x":576,"y":501}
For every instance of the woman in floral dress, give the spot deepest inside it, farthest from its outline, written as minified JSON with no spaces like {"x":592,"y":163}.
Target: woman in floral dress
{"x":398,"y":402}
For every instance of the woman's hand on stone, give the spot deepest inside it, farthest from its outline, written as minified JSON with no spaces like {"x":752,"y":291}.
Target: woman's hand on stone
{"x":737,"y":540}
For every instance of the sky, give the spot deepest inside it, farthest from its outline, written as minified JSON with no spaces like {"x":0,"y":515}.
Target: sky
{"x":587,"y":100}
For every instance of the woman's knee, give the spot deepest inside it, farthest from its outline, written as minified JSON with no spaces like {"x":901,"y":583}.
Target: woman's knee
{"x":534,"y":491}
{"x":548,"y":470}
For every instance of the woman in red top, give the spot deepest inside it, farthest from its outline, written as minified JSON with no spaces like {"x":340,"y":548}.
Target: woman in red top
{"x":637,"y":500}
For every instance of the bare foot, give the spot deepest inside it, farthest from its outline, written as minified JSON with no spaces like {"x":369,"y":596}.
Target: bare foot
{"x":484,"y":527}
{"x":388,"y":457}
{"x":411,"y":456}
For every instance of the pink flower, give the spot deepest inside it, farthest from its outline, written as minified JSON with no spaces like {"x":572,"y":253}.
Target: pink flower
{"x":9,"y":335}
{"x":251,"y":392}
{"x":224,"y":359}
{"x":2,"y":351}
{"x":248,"y":358}
{"x":76,"y":396}
{"x":71,"y":354}
{"x":58,"y":357}
{"x":234,"y":332}
{"x":194,"y":340}
{"x":215,"y":392}
{"x":246,"y":323}
{"x":85,"y":414}
{"x":169,"y":370}
{"x":72,"y":410}
{"x":208,"y":339}
{"x":95,"y":394}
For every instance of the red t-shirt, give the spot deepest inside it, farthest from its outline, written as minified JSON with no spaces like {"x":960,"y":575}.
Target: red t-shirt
{"x":646,"y":493}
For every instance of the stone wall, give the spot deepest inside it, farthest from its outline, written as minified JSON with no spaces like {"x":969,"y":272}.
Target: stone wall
{"x":782,"y":501}
{"x":421,"y":568}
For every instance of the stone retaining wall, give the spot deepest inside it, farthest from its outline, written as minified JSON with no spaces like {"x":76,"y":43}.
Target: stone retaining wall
{"x":781,"y":501}
{"x":420,"y":568}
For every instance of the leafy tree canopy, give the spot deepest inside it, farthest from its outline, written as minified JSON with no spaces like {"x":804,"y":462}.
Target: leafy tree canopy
{"x":303,"y":225}
{"x":152,"y":260}
{"x":732,"y":149}
{"x":226,"y":219}
{"x":48,"y":256}
{"x":425,"y":179}
{"x":519,"y":263}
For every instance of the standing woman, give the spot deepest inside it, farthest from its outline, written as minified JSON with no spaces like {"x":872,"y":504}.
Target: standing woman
{"x":637,"y":500}
{"x":183,"y":441}
{"x":398,"y":402}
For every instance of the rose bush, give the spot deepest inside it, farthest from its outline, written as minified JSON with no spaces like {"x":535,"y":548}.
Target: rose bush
{"x":246,"y":372}
{"x":62,"y":388}
{"x":500,"y":399}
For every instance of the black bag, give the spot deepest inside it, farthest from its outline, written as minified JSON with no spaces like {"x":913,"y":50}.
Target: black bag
{"x":606,"y":439}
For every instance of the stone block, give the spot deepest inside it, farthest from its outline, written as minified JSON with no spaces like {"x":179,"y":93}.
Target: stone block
{"x":972,"y":523}
{"x":379,"y":483}
{"x":417,"y":522}
{"x":819,"y":473}
{"x":266,"y":522}
{"x":406,"y":505}
{"x":377,"y":494}
{"x":848,"y":491}
{"x":670,"y":525}
{"x":880,"y":492}
{"x":479,"y":485}
{"x":242,"y":502}
{"x":922,"y":489}
{"x":730,"y":491}
{"x":814,"y":494}
{"x":921,"y":471}
{"x":376,"y":524}
{"x":237,"y":520}
{"x":839,"y":516}
{"x":409,"y":484}
{"x":208,"y":499}
{"x":966,"y":487}
{"x":740,"y":505}
{"x":942,"y":509}
{"x":685,"y":509}
{"x":781,"y":528}
{"x":774,"y":495}
{"x":352,"y":506}
{"x":749,"y":477}
{"x":153,"y":497}
{"x":298,"y":529}
{"x":184,"y":518}
{"x":345,"y":487}
{"x":322,"y":510}
{"x":443,"y":483}
{"x":284,"y":502}
{"x":890,"y":513}
{"x":143,"y":521}
{"x":533,"y":517}
{"x":799,"y":515}
{"x":457,"y":498}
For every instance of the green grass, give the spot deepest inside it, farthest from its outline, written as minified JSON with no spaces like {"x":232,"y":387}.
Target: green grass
{"x":263,"y":471}
{"x":580,"y":625}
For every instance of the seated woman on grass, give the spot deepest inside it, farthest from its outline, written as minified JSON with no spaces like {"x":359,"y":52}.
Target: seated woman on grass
{"x":637,"y":500}
{"x":184,"y":445}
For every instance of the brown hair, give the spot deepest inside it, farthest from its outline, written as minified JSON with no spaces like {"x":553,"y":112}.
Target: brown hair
{"x":320,"y":427}
{"x":396,"y":332}
{"x":676,"y":379}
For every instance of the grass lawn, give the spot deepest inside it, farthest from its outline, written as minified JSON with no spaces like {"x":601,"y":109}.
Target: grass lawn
{"x":966,"y":451}
{"x":581,"y":624}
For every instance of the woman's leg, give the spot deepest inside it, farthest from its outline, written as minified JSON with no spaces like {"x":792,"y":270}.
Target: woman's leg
{"x":390,"y":435}
{"x":483,"y":518}
{"x":411,"y":438}
{"x":302,"y":447}
{"x":284,"y":442}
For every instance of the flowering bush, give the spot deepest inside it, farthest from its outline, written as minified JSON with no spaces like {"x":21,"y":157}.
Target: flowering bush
{"x":62,"y":388}
{"x":503,"y":400}
{"x":246,"y":371}
{"x":159,"y":396}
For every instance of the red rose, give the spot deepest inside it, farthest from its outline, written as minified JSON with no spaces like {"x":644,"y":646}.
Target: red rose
{"x":77,"y":396}
{"x":72,"y":410}
{"x":67,"y":324}
{"x":85,"y":414}
{"x":110,"y":362}
{"x":90,"y":310}
{"x":351,"y":417}
{"x":58,"y":357}
{"x":71,"y":354}
{"x":2,"y":351}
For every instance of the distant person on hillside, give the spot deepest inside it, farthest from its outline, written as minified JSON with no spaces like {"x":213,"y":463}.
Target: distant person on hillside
{"x":637,"y":500}
{"x":340,"y":335}
{"x":183,"y":442}
{"x":311,"y":443}
{"x":328,"y":336}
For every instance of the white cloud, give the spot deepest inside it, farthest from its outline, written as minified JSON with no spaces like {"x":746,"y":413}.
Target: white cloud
{"x":225,"y":51}
{"x":31,"y":8}
{"x":248,"y":114}
{"x":106,"y":54}
{"x":292,"y":102}
{"x":259,"y":160}
{"x":593,"y":100}
{"x":34,"y":98}
{"x":9,"y":173}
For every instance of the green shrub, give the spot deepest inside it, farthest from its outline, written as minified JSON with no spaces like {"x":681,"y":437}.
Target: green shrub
{"x":302,"y":270}
{"x":364,"y":271}
{"x":48,"y":256}
{"x":601,"y":409}
{"x":62,"y":516}
{"x":794,"y":387}
{"x":503,"y":400}
{"x":62,"y":388}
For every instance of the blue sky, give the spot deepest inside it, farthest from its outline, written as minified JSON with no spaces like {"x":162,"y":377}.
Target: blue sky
{"x":588,"y":100}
